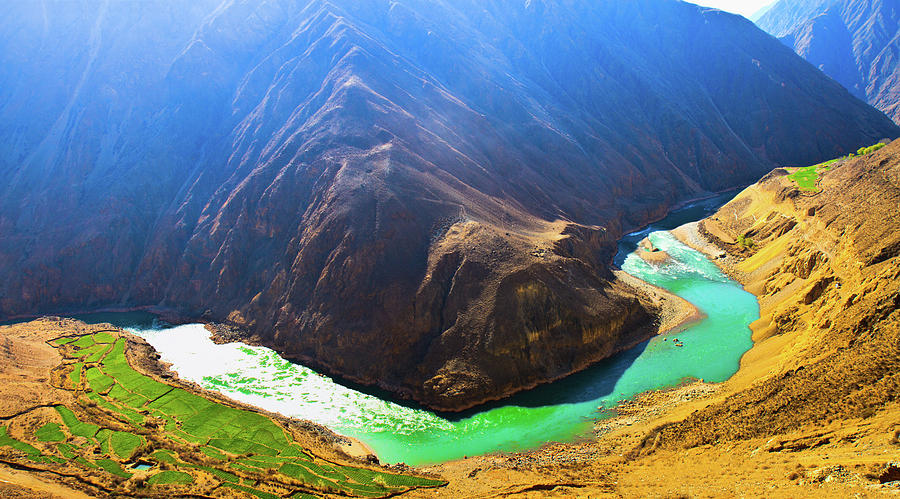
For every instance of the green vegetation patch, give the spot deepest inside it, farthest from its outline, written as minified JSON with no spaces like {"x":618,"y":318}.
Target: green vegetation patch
{"x":8,"y":441}
{"x":808,"y":176}
{"x":299,"y":473}
{"x":170,"y":477}
{"x":190,"y":421}
{"x":862,"y":151}
{"x":95,"y":353}
{"x":102,"y":436}
{"x":254,"y":492}
{"x":49,"y":459}
{"x":113,"y":468}
{"x":213,"y":453}
{"x":124,"y":444}
{"x":294,"y":451}
{"x":84,"y":462}
{"x":75,"y":426}
{"x":104,"y":338}
{"x":164,"y":456}
{"x":175,"y":404}
{"x":63,"y":341}
{"x":126,"y":398}
{"x":50,"y":432}
{"x":805,"y":177}
{"x":66,"y":450}
{"x":256,"y":463}
{"x":408,"y":481}
{"x":75,"y":375}
{"x":209,"y":420}
{"x":83,"y":342}
{"x":245,"y":469}
{"x":98,"y":381}
{"x":125,"y":414}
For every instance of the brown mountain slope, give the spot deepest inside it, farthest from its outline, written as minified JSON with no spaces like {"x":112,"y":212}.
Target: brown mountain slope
{"x":814,"y":410}
{"x":419,"y":195}
{"x":825,"y":266}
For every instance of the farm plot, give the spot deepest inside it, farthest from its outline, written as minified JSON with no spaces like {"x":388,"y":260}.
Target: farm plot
{"x":124,"y":421}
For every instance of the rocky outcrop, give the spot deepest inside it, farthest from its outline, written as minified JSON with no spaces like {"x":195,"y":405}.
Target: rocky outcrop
{"x":423,"y":196}
{"x":854,"y":42}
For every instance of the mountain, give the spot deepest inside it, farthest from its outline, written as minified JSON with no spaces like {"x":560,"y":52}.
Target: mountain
{"x":856,"y":42}
{"x":760,"y":12}
{"x":420,"y":195}
{"x":824,"y":266}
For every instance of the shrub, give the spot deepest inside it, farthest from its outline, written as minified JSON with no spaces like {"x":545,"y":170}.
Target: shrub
{"x":872,"y":148}
{"x":745,"y":242}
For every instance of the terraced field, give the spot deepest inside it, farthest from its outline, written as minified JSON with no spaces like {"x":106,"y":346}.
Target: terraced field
{"x":807,"y":177}
{"x":151,"y":438}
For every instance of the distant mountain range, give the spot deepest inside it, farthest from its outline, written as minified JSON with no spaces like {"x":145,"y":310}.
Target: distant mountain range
{"x":419,"y":195}
{"x":856,"y":42}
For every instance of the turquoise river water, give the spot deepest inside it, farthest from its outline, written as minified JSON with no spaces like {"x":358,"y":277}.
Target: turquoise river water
{"x":562,"y":411}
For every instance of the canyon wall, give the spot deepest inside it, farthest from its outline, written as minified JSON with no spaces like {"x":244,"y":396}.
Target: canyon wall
{"x":423,"y":196}
{"x":853,"y":41}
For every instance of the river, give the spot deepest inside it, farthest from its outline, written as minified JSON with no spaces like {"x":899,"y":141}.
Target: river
{"x":562,"y":411}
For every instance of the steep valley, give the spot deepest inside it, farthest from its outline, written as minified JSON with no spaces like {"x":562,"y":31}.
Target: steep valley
{"x":425,"y":200}
{"x":435,"y":185}
{"x":813,"y":409}
{"x":825,"y":266}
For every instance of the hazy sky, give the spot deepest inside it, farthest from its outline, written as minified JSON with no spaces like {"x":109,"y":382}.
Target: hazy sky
{"x":745,"y":8}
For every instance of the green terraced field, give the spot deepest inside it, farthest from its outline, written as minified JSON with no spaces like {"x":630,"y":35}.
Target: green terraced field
{"x":124,"y":444}
{"x":74,"y":425}
{"x":167,"y":477}
{"x":6,"y":440}
{"x":50,"y":432}
{"x":807,"y":177}
{"x":113,"y":467}
{"x":181,"y":434}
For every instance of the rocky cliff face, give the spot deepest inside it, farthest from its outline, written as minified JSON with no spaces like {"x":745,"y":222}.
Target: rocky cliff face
{"x":853,"y":41}
{"x":423,"y":196}
{"x":825,"y":266}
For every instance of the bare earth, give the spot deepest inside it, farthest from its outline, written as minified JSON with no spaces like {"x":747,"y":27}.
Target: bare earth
{"x":25,"y":364}
{"x":814,"y":410}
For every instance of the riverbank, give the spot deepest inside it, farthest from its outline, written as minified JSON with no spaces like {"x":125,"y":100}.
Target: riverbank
{"x":581,"y":400}
{"x":812,"y":410}
{"x":675,"y":313}
{"x":90,"y":408}
{"x":330,"y":444}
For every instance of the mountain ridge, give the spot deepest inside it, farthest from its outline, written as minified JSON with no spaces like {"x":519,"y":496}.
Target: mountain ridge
{"x":853,"y":41}
{"x":429,"y":184}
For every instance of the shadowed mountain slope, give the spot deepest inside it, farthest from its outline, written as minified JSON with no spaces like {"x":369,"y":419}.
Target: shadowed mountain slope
{"x":423,"y":196}
{"x":853,"y":41}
